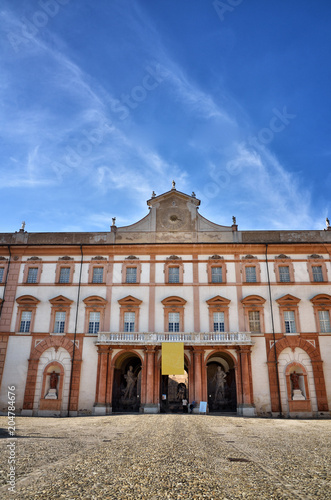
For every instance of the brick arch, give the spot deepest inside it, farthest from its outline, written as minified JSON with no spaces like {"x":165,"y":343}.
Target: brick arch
{"x":31,"y":378}
{"x":220,"y":351}
{"x":56,"y":342}
{"x":317,"y":365}
{"x":126,"y":351}
{"x":293,"y":342}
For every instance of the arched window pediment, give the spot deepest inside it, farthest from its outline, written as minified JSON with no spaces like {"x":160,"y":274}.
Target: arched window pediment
{"x":95,"y":300}
{"x":253,"y":300}
{"x":322,"y":299}
{"x":173,"y":301}
{"x":27,"y":300}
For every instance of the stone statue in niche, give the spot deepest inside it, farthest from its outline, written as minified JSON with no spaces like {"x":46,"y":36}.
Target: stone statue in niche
{"x":130,"y":383}
{"x":295,"y":380}
{"x":53,"y":380}
{"x":219,"y":379}
{"x":296,"y":391}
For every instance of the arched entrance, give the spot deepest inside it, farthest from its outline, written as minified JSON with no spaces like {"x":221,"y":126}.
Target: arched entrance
{"x":221,"y":383}
{"x":127,"y":383}
{"x":174,"y":388}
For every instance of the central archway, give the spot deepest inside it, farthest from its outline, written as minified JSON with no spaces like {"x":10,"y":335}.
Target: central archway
{"x":174,"y":388}
{"x":127,"y":383}
{"x":221,"y":383}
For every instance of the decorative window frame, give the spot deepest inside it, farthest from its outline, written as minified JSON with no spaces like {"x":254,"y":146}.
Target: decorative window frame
{"x":218,"y":304}
{"x":4,"y":266}
{"x":173,"y":304}
{"x":65,"y":261}
{"x":317,"y":260}
{"x":94,"y":303}
{"x":216,"y":261}
{"x":97,"y":261}
{"x":289,"y":303}
{"x":131,"y":261}
{"x":129,"y":304}
{"x":250,"y":261}
{"x":32,"y":262}
{"x":283,"y":260}
{"x":60,"y":304}
{"x":254,"y":303}
{"x":321,"y":302}
{"x":173,"y":261}
{"x":26,"y":303}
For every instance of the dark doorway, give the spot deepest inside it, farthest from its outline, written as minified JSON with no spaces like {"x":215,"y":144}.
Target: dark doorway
{"x":127,"y":384}
{"x":174,"y":388}
{"x":221,"y":384}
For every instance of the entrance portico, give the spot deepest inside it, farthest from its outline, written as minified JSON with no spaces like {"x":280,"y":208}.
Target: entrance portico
{"x":218,"y":368}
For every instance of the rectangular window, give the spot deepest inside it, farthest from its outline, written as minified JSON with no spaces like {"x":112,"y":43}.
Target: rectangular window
{"x":131,"y":275}
{"x":324,"y":318}
{"x":219,"y":322}
{"x":317,"y":273}
{"x":289,"y":322}
{"x":129,"y":320}
{"x":216,"y":275}
{"x":254,"y":321}
{"x":284,"y":274}
{"x":2,"y":269}
{"x":173,"y":274}
{"x":94,"y":322}
{"x":173,"y":322}
{"x":97,"y":275}
{"x":32,"y":275}
{"x":64,"y":275}
{"x":60,"y":319}
{"x":250,"y":274}
{"x":25,"y":321}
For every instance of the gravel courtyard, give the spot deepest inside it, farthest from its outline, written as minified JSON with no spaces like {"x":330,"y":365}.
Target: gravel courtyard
{"x":168,"y":457}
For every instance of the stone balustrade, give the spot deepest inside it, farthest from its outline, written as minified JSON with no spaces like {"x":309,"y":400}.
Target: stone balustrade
{"x":215,"y":338}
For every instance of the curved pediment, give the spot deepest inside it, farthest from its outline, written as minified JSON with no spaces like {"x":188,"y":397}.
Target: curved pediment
{"x":95,"y":300}
{"x":288,"y":300}
{"x":174,"y":301}
{"x":129,"y":301}
{"x":322,"y":299}
{"x":253,"y":300}
{"x":27,"y":300}
{"x":218,"y":301}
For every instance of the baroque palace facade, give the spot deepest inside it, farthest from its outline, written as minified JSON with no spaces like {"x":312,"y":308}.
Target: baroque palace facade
{"x":85,"y":316}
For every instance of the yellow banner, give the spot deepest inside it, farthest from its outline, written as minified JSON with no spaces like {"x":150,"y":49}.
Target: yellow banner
{"x":173,"y":358}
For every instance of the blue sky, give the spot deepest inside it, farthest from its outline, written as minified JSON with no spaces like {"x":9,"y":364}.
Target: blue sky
{"x":103,"y":102}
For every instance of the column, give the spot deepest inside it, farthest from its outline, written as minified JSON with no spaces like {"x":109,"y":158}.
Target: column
{"x":100,"y":403}
{"x":150,"y":406}
{"x":197,"y":354}
{"x":247,"y":407}
{"x":110,"y":381}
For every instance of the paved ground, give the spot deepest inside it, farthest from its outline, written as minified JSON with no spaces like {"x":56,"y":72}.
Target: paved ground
{"x":169,"y":457}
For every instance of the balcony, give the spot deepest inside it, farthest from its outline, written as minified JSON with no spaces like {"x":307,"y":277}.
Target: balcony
{"x":212,"y":338}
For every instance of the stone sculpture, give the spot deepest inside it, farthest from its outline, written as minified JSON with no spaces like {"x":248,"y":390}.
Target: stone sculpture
{"x":130,"y":383}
